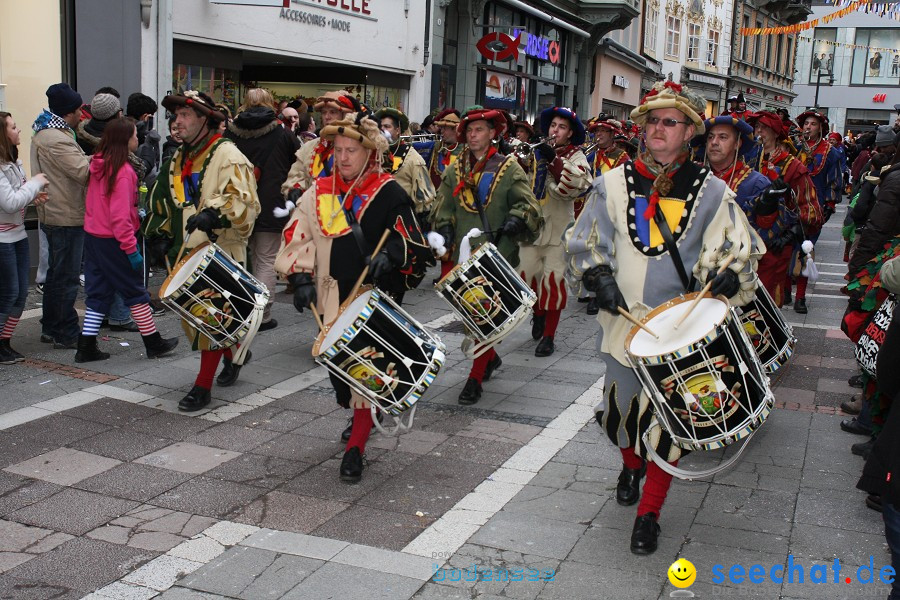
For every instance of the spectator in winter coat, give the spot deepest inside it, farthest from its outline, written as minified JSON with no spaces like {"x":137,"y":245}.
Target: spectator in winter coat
{"x":141,"y":108}
{"x":112,"y":260}
{"x":884,"y":218}
{"x":173,"y":141}
{"x":15,"y":194}
{"x":55,"y":153}
{"x":259,"y":134}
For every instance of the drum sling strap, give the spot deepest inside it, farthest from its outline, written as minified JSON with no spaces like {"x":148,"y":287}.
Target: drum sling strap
{"x":358,"y":236}
{"x":669,"y":241}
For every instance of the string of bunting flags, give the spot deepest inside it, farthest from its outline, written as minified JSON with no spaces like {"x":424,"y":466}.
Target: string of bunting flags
{"x":882,"y":9}
{"x":804,"y":26}
{"x":844,"y":45}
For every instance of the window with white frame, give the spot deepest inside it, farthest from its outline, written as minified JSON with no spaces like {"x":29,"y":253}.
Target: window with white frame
{"x":712,"y":48}
{"x":693,"y":49}
{"x":651,"y":27}
{"x":673,"y":37}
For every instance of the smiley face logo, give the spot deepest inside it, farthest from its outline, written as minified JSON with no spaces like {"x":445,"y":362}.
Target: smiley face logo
{"x":682,"y":573}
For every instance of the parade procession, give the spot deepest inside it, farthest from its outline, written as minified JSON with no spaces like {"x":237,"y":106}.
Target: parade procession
{"x":481,"y":299}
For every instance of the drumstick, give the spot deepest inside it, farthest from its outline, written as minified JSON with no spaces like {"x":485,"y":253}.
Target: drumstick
{"x":168,"y":265}
{"x":365,"y":271}
{"x":315,"y":312}
{"x":634,"y":320}
{"x":704,"y":291}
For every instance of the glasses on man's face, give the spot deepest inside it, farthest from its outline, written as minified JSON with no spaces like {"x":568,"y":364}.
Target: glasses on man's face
{"x":667,"y":122}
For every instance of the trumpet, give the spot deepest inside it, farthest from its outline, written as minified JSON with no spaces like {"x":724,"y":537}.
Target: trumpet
{"x":525,"y":150}
{"x":420,"y":137}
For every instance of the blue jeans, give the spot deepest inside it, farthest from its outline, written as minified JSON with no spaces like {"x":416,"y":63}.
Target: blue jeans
{"x":891,"y":517}
{"x":118,"y":312}
{"x":66,"y":245}
{"x":14,"y":265}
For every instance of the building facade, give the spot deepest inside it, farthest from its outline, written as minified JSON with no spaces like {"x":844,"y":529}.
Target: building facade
{"x":688,"y":41}
{"x":557,"y":43}
{"x":618,"y":71}
{"x":762,"y":66}
{"x":850,"y":68}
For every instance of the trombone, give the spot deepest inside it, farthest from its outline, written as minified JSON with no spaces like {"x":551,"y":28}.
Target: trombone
{"x":420,"y":137}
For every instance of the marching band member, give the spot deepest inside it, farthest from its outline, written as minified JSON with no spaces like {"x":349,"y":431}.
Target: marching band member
{"x":608,"y":155}
{"x":488,"y":191}
{"x":541,"y":262}
{"x":822,"y":161}
{"x":778,"y":163}
{"x":331,"y":234}
{"x":726,"y":142}
{"x":315,"y":158}
{"x":523,"y":131}
{"x":646,"y":223}
{"x":405,"y":163}
{"x":206,"y":191}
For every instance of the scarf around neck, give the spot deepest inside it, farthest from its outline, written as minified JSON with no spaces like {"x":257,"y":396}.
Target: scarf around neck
{"x":661,"y":175}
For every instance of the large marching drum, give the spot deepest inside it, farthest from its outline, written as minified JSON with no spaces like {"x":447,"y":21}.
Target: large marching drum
{"x":382,"y":353}
{"x":488,"y":296}
{"x":704,"y":378}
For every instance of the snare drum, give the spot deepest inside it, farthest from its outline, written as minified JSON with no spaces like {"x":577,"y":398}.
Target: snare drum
{"x":488,"y":295}
{"x":380,"y":351}
{"x":216,"y":295}
{"x":704,"y":379}
{"x":768,"y":331}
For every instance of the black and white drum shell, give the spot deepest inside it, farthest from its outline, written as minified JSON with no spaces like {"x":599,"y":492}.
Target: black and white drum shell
{"x":704,"y":379}
{"x":380,"y":351}
{"x":769,"y":332}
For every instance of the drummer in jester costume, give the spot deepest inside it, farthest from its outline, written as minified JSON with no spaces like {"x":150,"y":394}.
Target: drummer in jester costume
{"x":726,"y":142}
{"x":331,"y":234}
{"x":405,"y":163}
{"x":315,"y":158}
{"x":490,"y":192}
{"x":542,"y":262}
{"x":778,"y":163}
{"x":205,"y":192}
{"x":620,"y":248}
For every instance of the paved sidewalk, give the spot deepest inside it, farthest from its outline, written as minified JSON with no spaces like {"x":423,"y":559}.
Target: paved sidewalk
{"x":107,"y":492}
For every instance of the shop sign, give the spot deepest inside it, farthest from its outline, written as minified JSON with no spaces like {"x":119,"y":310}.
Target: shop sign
{"x":620,"y":81}
{"x":540,"y":47}
{"x":879,"y":97}
{"x":351,"y":6}
{"x":499,"y":46}
{"x":301,"y":16}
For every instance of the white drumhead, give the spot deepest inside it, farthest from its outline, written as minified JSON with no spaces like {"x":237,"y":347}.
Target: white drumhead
{"x":191,"y":264}
{"x":709,"y":313}
{"x":344,"y":320}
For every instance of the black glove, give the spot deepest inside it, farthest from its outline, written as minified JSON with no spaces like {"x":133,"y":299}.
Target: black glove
{"x":726,"y":284}
{"x":294,"y":195}
{"x":206,"y":220}
{"x":424,"y":220}
{"x":767,"y":202}
{"x":513,"y":226}
{"x":786,"y":238}
{"x":600,"y":280}
{"x":827,"y":210}
{"x":448,"y":234}
{"x":381,"y":265}
{"x":304,"y":290}
{"x":546,"y":152}
{"x":158,"y":248}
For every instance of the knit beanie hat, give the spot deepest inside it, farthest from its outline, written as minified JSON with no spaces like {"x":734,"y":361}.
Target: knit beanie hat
{"x":62,"y":99}
{"x":884,"y":136}
{"x":105,"y":106}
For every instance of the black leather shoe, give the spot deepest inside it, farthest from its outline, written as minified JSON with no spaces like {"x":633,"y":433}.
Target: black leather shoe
{"x":130,"y":327}
{"x":87,"y":350}
{"x":491,"y":367}
{"x":537,"y":326}
{"x":854,"y":426}
{"x":46,"y":338}
{"x":352,"y":465}
{"x":345,"y":436}
{"x":545,"y":346}
{"x":873,"y":501}
{"x":230,"y":371}
{"x":645,"y":534}
{"x":800,"y":306}
{"x":863,"y":449}
{"x":196,"y":399}
{"x":593,"y":306}
{"x":584,"y":299}
{"x":855,"y":381}
{"x":628,"y":489}
{"x":787,"y":297}
{"x":852,"y":406}
{"x":471,"y":392}
{"x":158,"y":346}
{"x":70,"y":345}
{"x":270,"y":324}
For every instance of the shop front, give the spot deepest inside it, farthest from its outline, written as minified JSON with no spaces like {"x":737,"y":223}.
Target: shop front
{"x":617,"y":80}
{"x":371,"y":48}
{"x":709,"y":87}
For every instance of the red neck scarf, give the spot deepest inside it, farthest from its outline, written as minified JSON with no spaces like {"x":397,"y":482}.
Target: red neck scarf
{"x":187,"y":167}
{"x":467,"y":179}
{"x":662,"y":178}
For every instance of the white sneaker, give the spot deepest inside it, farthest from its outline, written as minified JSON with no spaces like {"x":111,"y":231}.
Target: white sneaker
{"x":81,"y":279}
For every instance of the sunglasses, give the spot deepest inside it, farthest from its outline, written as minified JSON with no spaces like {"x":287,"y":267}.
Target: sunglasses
{"x":666,"y":122}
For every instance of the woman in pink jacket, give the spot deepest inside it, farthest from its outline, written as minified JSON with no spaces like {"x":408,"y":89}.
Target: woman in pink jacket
{"x":112,"y":261}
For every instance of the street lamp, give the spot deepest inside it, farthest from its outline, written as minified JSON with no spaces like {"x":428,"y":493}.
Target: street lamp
{"x":819,"y":81}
